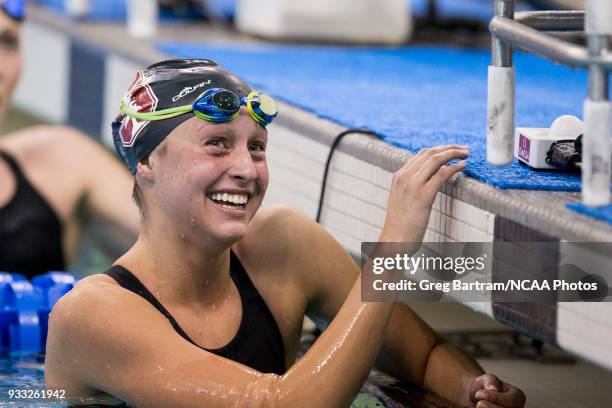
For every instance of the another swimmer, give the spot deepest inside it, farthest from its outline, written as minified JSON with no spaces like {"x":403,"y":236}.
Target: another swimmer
{"x":48,"y":174}
{"x":206,"y":309}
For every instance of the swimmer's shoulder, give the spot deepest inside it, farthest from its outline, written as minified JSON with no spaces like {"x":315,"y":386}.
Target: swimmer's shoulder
{"x":42,"y":142}
{"x":65,"y":150}
{"x":68,"y":332}
{"x":283,"y":236}
{"x":86,"y":301}
{"x":278,"y":231}
{"x":95,"y":322}
{"x":51,"y":155}
{"x":95,"y":289}
{"x":286,"y":237}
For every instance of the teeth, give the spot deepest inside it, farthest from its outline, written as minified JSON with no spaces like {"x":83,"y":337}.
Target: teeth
{"x":230,"y":198}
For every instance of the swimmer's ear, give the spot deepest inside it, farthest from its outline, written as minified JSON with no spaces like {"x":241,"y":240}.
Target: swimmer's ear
{"x":144,"y":169}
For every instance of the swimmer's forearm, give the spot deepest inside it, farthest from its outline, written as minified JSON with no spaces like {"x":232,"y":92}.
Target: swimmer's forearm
{"x":449,"y":373}
{"x":334,"y":368}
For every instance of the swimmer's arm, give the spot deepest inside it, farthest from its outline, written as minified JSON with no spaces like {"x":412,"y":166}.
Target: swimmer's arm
{"x":107,"y":193}
{"x":414,"y":352}
{"x":411,"y":351}
{"x":106,"y":339}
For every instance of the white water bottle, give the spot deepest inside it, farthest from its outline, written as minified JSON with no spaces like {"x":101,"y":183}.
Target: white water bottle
{"x":142,"y":18}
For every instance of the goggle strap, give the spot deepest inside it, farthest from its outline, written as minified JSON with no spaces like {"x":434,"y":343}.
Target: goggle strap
{"x":159,"y":115}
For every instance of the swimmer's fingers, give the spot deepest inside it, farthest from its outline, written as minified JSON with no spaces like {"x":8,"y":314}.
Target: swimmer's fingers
{"x":483,"y":382}
{"x":508,"y":397}
{"x":415,"y":164}
{"x":437,"y":161}
{"x":443,"y":175}
{"x":410,"y":198}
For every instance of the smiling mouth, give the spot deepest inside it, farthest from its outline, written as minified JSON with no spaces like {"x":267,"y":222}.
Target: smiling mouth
{"x":228,"y":200}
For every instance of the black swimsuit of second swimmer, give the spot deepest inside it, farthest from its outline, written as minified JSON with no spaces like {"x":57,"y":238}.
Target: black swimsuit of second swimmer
{"x":30,"y":230}
{"x":258,"y":342}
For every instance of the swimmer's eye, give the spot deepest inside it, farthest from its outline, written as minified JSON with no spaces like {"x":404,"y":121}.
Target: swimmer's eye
{"x":9,"y":41}
{"x":257,"y":147}
{"x":220,"y":143}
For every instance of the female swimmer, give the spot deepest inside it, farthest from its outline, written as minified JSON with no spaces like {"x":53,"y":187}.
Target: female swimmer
{"x":53,"y":178}
{"x":206,"y":309}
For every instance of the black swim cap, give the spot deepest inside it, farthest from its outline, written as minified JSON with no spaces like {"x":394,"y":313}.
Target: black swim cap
{"x":13,"y":8}
{"x":164,"y":85}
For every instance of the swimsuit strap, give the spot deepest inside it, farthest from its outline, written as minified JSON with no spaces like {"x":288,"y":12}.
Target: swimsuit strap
{"x":127,"y":280}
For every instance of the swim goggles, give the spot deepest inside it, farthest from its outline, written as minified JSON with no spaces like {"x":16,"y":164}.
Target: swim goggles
{"x":217,"y":105}
{"x":14,"y":8}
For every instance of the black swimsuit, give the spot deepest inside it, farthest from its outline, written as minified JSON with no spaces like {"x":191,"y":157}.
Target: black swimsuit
{"x":257,"y":343}
{"x":30,"y":231}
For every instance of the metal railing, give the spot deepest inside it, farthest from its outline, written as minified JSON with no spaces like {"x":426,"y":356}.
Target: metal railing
{"x":528,"y":31}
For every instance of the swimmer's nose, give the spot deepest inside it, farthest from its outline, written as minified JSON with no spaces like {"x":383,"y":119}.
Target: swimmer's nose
{"x":243,"y":167}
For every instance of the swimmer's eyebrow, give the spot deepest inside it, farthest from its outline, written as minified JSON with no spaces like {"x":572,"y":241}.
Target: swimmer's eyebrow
{"x":205,"y":130}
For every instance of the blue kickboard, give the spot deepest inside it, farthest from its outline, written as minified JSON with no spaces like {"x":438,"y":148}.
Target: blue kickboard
{"x":414,"y":97}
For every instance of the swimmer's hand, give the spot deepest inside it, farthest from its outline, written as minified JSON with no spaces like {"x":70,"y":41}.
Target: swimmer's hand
{"x":488,"y":391}
{"x":413,"y":190}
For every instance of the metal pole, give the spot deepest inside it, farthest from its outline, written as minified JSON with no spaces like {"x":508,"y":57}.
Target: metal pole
{"x":597,"y":108}
{"x":501,"y":95}
{"x":557,"y":50}
{"x":551,"y":20}
{"x":599,"y":86}
{"x":501,"y":51}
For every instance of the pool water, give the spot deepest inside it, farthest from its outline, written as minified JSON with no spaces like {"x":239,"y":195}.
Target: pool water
{"x":23,"y":373}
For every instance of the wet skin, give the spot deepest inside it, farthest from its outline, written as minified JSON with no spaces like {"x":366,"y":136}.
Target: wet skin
{"x":107,"y":341}
{"x":65,"y":166}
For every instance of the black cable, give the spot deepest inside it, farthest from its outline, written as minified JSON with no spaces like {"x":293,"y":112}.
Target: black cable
{"x":335,"y":144}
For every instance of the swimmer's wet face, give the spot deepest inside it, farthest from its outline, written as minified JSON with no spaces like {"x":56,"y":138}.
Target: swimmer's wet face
{"x":10,"y":60}
{"x":170,"y":158}
{"x":210,"y":179}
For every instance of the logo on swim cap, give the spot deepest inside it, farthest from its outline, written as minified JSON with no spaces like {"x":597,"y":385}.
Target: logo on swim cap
{"x":139,"y":98}
{"x":190,"y":89}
